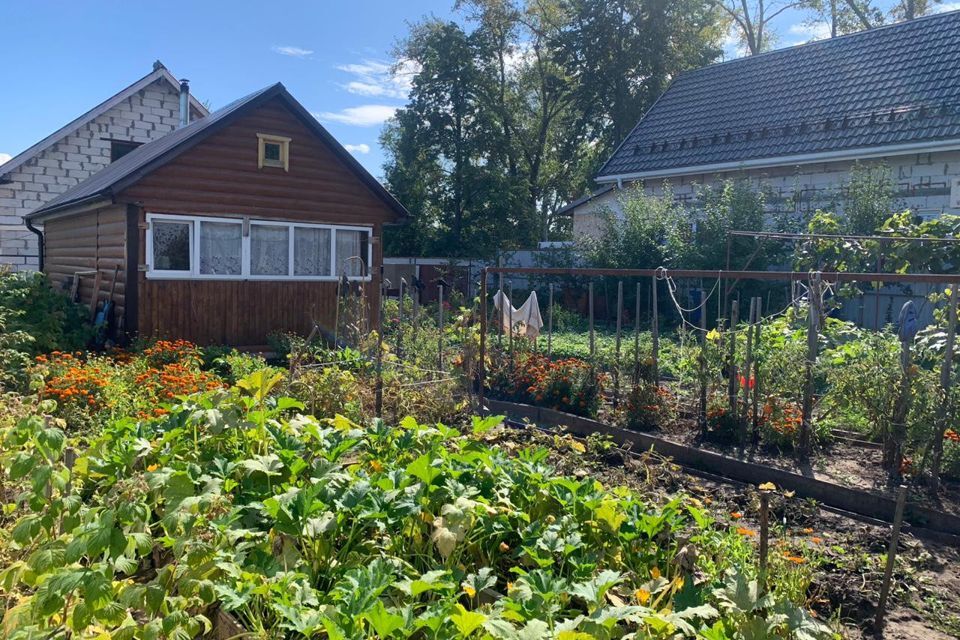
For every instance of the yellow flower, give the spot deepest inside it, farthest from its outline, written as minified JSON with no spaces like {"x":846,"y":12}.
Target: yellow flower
{"x":655,"y":573}
{"x":153,"y":467}
{"x":642,"y":596}
{"x":470,"y":591}
{"x":376,"y":465}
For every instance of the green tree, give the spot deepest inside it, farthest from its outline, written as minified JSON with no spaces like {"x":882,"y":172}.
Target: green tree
{"x":510,"y":115}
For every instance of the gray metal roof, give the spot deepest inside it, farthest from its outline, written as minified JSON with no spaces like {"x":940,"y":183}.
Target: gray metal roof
{"x":892,"y":85}
{"x":159,"y":72}
{"x":141,"y":161}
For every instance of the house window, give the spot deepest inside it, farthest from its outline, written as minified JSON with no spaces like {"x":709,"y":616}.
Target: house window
{"x":221,"y":248}
{"x":312,"y":252}
{"x":172,"y":246}
{"x":120,"y":148}
{"x":231,"y":248}
{"x":273,"y":151}
{"x":351,"y":252}
{"x":269,"y":250}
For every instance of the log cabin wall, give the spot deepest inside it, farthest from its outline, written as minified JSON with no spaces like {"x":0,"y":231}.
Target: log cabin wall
{"x":220,"y":177}
{"x":90,"y":241}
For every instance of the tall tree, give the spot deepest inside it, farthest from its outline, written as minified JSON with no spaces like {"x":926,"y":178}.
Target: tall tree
{"x":752,"y":20}
{"x":513,"y":108}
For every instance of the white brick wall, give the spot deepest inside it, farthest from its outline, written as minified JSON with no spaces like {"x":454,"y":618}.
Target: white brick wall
{"x":921,"y":182}
{"x":150,"y":114}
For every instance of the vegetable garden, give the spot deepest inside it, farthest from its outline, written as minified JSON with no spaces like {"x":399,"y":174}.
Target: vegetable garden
{"x":356,"y":491}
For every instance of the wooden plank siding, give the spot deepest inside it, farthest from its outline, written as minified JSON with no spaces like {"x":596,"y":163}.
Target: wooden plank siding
{"x":95,"y":240}
{"x":220,"y":177}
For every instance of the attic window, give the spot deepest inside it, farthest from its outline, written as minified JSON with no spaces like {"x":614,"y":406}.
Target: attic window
{"x":120,"y":148}
{"x":273,"y":151}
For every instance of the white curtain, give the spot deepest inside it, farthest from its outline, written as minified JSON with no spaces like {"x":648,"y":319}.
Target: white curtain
{"x":311,"y":252}
{"x":220,"y":248}
{"x":349,"y":246}
{"x":269,"y":250}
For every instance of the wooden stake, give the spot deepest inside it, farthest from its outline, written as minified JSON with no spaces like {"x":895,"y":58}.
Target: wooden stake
{"x":813,"y":332}
{"x":747,"y":367}
{"x":378,"y":394}
{"x":702,"y":415}
{"x":616,"y":370}
{"x":655,"y":331}
{"x":756,"y":367}
{"x":593,"y":344}
{"x":732,"y":357}
{"x":440,"y":324}
{"x":502,"y":311}
{"x":400,"y":324}
{"x":891,"y":557}
{"x":764,"y":537}
{"x":636,"y":339}
{"x":482,"y":365}
{"x":550,"y":321}
{"x":507,"y":310}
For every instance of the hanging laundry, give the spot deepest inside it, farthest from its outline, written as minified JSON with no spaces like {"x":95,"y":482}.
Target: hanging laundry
{"x":523,"y":321}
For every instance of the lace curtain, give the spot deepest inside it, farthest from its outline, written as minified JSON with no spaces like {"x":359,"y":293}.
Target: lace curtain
{"x":171,"y":246}
{"x":221,"y":248}
{"x":269,"y":250}
{"x":311,"y":252}
{"x":348,"y":246}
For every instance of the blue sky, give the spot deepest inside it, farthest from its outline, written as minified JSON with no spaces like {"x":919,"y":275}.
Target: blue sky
{"x":62,"y":58}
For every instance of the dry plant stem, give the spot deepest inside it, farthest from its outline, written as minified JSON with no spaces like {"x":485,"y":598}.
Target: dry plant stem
{"x":891,"y":557}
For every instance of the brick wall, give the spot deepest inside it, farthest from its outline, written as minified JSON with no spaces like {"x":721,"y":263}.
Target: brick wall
{"x":921,"y":182}
{"x":145,"y":116}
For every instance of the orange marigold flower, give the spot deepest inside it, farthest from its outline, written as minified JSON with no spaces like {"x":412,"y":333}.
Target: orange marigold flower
{"x":750,"y":533}
{"x":736,"y":515}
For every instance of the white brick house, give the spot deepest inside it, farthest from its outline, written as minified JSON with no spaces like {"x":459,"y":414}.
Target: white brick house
{"x":795,"y":120}
{"x":144,"y":111}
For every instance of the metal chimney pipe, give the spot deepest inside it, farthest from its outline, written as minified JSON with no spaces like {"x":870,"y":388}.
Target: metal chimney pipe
{"x":184,"y":102}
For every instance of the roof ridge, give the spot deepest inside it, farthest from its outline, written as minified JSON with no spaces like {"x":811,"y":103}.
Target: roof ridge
{"x":156,"y":73}
{"x":824,"y":41}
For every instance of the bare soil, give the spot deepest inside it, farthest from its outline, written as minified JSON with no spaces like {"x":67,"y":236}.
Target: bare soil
{"x":925,"y":599}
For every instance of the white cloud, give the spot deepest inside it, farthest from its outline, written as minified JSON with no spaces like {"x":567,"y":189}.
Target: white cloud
{"x":808,"y":32}
{"x":946,"y":6}
{"x":380,"y":79}
{"x":4,"y":157}
{"x":367,"y":115}
{"x":293,"y":52}
{"x":357,"y":148}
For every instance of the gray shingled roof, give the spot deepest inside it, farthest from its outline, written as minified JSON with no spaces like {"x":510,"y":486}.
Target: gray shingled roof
{"x":159,"y":72}
{"x":132,"y":167}
{"x":891,"y":85}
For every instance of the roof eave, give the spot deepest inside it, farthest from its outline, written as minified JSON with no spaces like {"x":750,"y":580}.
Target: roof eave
{"x":94,"y":201}
{"x":860,"y":153}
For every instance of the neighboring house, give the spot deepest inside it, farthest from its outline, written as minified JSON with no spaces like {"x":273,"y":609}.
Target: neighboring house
{"x":231,"y":228}
{"x":795,"y":120}
{"x":146,"y":110}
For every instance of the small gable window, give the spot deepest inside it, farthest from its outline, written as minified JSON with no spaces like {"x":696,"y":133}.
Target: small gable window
{"x":273,"y":151}
{"x":120,"y":148}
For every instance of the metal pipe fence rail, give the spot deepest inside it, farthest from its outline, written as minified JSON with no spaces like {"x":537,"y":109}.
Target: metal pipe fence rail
{"x":816,"y":281}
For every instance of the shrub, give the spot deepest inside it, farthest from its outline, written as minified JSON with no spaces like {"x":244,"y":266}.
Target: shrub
{"x":52,"y":320}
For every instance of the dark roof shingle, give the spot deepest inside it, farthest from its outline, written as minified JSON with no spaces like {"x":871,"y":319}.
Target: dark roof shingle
{"x":890,"y":85}
{"x":145,"y":158}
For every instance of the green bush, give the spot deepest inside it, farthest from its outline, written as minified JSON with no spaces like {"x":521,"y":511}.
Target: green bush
{"x":52,"y":320}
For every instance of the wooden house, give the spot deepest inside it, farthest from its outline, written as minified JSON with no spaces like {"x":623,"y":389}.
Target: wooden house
{"x":226,"y":230}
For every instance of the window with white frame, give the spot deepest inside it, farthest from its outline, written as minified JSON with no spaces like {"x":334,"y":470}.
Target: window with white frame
{"x":234,"y":248}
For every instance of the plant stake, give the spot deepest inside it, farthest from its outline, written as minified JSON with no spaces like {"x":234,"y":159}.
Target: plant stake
{"x":891,"y":557}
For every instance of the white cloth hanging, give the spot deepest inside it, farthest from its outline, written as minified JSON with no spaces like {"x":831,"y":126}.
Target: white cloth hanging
{"x":523,"y":321}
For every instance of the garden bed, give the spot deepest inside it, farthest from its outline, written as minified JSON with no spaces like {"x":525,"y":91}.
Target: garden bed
{"x":926,"y":594}
{"x":857,"y":501}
